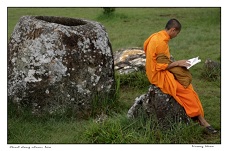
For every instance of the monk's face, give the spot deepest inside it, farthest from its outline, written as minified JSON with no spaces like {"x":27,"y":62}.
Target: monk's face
{"x":173,"y":32}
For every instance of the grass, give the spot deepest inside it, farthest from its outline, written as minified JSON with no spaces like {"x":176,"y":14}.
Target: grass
{"x":129,"y":27}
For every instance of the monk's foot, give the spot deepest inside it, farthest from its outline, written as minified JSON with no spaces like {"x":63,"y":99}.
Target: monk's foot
{"x":210,"y":130}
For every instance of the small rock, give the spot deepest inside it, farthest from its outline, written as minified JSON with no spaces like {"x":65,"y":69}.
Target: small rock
{"x":161,"y":106}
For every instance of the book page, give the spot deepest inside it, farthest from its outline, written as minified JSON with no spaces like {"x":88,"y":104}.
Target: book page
{"x":193,"y":61}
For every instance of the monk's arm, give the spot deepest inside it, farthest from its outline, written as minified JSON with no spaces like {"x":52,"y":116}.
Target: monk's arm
{"x":179,"y":63}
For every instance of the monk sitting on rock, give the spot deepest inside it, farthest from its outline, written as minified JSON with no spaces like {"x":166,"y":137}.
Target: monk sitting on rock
{"x":160,"y":73}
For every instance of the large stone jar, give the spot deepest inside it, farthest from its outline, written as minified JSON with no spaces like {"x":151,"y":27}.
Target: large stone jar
{"x":58,"y":63}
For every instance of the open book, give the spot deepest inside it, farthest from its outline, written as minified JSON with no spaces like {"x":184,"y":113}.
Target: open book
{"x":193,"y":61}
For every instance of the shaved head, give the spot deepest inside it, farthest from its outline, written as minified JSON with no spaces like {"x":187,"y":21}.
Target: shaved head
{"x":173,"y":23}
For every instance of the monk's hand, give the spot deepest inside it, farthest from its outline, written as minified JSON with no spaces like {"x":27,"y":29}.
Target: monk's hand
{"x":183,"y":63}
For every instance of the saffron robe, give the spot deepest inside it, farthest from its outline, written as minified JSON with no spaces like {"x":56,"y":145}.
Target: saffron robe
{"x":181,"y":74}
{"x":158,"y":75}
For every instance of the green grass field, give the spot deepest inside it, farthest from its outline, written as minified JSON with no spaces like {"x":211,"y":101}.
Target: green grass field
{"x":129,"y":27}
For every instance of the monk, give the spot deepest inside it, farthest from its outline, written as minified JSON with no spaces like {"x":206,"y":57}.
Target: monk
{"x":159,"y":75}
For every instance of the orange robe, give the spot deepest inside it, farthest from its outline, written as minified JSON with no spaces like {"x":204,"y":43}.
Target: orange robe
{"x":157,"y":74}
